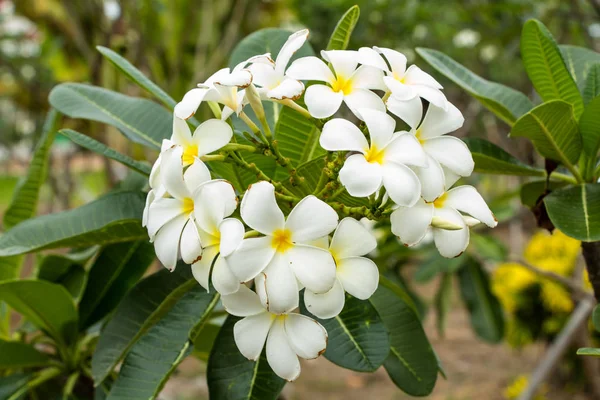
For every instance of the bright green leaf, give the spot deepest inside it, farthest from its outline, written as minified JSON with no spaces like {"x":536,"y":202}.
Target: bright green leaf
{"x":579,"y":61}
{"x":589,"y":126}
{"x":491,"y":159}
{"x":592,"y":84}
{"x":17,"y":355}
{"x":575,"y":210}
{"x":588,"y":351}
{"x":343,"y":30}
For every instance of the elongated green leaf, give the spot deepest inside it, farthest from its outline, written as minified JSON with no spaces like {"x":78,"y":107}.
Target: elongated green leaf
{"x":575,"y":210}
{"x":101,"y":148}
{"x":143,"y":307}
{"x":491,"y":159}
{"x":116,"y":270}
{"x":63,"y":271}
{"x":532,"y":191}
{"x":579,"y":61}
{"x":596,"y":318}
{"x":485,"y":310}
{"x":357,"y":338}
{"x":156,"y":355}
{"x":552,"y":127}
{"x":231,"y":376}
{"x":343,"y":30}
{"x":16,"y":355}
{"x":10,"y":384}
{"x":47,"y":305}
{"x":508,"y":104}
{"x":269,"y":40}
{"x":589,"y":126}
{"x":588,"y":351}
{"x":141,"y":120}
{"x":115,"y":217}
{"x":411,"y":364}
{"x":592,"y":84}
{"x":442,"y":301}
{"x":546,"y":68}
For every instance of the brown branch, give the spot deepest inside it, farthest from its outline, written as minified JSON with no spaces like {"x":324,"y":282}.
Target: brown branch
{"x":591,"y":255}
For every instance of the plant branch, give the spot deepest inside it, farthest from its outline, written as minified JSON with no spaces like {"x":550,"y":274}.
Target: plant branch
{"x":591,"y":255}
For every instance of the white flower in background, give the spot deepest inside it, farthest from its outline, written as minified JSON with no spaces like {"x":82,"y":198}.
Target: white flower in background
{"x":349,"y":83}
{"x":281,"y":258}
{"x":287,"y":336}
{"x":446,"y":155}
{"x":405,"y":84}
{"x":213,"y":202}
{"x":270,"y":76}
{"x":450,"y":227}
{"x":382,"y":162}
{"x":356,"y":275}
{"x":222,"y":87}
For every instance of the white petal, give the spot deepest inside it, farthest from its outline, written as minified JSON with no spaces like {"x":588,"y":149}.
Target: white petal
{"x":264,"y":75}
{"x":409,"y":111}
{"x":359,"y":276}
{"x":363,"y":98}
{"x":311,"y":219}
{"x":322,"y":101}
{"x":310,"y":68}
{"x":149,"y":200}
{"x":242,"y":303}
{"x":401,"y":184}
{"x":359,"y":177}
{"x":367,"y":77}
{"x":276,"y":286}
{"x":381,"y":126}
{"x":166,"y":242}
{"x":196,"y":175}
{"x":368,"y":56}
{"x":161,"y":211}
{"x":211,"y":135}
{"x":396,"y":60}
{"x":438,"y":121}
{"x":181,"y":132}
{"x":432,"y":179}
{"x":405,"y":149}
{"x":251,"y":257}
{"x":450,"y":177}
{"x":171,"y":173}
{"x":191,"y":101}
{"x":213,"y":201}
{"x":344,"y":62}
{"x":224,"y":281}
{"x":314,"y":267}
{"x":452,"y":153}
{"x":400,"y":91}
{"x":416,"y":76}
{"x":282,"y":359}
{"x":154,"y":178}
{"x":240,"y":78}
{"x":325,"y":305}
{"x":291,"y":45}
{"x":226,"y":113}
{"x":341,"y":134}
{"x":288,"y":89}
{"x":352,"y":238}
{"x":190,"y":246}
{"x":201,"y":268}
{"x":466,"y":199}
{"x":251,"y":333}
{"x":232,"y":233}
{"x":410,"y":223}
{"x":306,"y":336}
{"x":259,"y":209}
{"x":434,"y":96}
{"x":450,"y":243}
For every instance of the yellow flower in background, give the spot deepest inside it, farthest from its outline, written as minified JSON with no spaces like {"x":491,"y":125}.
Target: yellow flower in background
{"x":555,"y":297}
{"x":518,"y":385}
{"x":554,"y":252}
{"x":510,"y":279}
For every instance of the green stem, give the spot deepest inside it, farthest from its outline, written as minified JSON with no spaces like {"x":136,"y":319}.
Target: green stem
{"x":239,"y":147}
{"x":214,"y":107}
{"x":283,"y":197}
{"x":255,"y":129}
{"x":44,"y":376}
{"x":70,"y":385}
{"x":215,"y":157}
{"x":575,"y":173}
{"x":563,"y":177}
{"x":294,"y":106}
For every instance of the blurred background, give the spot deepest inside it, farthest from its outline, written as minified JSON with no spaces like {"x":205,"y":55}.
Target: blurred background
{"x":178,"y":43}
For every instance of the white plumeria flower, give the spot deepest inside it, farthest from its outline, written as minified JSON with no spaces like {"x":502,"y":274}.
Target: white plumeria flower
{"x":221,"y":87}
{"x":270,"y":75}
{"x":349,"y":83}
{"x":281,"y":258}
{"x":170,"y":219}
{"x":443,"y":216}
{"x":213,"y":202}
{"x":404,"y":84}
{"x":382,"y":162}
{"x":445,"y":154}
{"x":356,"y":275}
{"x":288,"y":336}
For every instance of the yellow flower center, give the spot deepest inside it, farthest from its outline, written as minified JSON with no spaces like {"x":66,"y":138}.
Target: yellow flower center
{"x":399,"y":78}
{"x":282,"y":240}
{"x":439,"y":202}
{"x":374,"y":155}
{"x":418,"y":136}
{"x":343,"y":85}
{"x":188,"y":205}
{"x":189,"y":152}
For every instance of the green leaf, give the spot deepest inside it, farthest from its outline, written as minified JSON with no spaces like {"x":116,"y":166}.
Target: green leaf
{"x":546,"y":68}
{"x":11,"y":384}
{"x":140,"y":120}
{"x":357,"y":338}
{"x":592,"y":84}
{"x":488,"y":247}
{"x":231,"y":376}
{"x":343,"y":30}
{"x":437,"y":264}
{"x":588,"y":351}
{"x":115,"y":217}
{"x":491,"y":159}
{"x":484,"y":308}
{"x":269,"y":40}
{"x":16,"y":355}
{"x":204,"y":340}
{"x":532,"y":191}
{"x":442,"y":301}
{"x":575,"y":210}
{"x":157,"y":354}
{"x":552,"y":127}
{"x":579,"y":61}
{"x":47,"y":305}
{"x":411,"y":364}
{"x":116,"y":270}
{"x":508,"y":104}
{"x":101,"y":148}
{"x":144,"y":306}
{"x":596,"y":318}
{"x":589,"y":126}
{"x":63,"y":271}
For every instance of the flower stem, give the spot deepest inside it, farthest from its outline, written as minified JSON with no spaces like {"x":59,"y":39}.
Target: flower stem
{"x":216,"y":157}
{"x":259,"y":173}
{"x":238,"y":147}
{"x":563,"y":177}
{"x":296,"y":107}
{"x":214,"y":107}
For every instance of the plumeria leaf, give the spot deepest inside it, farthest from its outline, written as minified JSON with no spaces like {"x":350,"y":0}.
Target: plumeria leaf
{"x":357,"y":338}
{"x":508,"y":104}
{"x":17,"y":355}
{"x":575,"y":210}
{"x":101,"y":148}
{"x":596,"y":318}
{"x":10,"y":385}
{"x":156,"y":355}
{"x":546,"y":68}
{"x":63,"y":271}
{"x":531,"y":192}
{"x":589,"y":126}
{"x":231,"y":376}
{"x":484,"y":308}
{"x":588,"y":351}
{"x":140,"y":120}
{"x":491,"y":159}
{"x":149,"y":301}
{"x":442,"y":301}
{"x":579,"y":61}
{"x":592,"y":84}
{"x":343,"y":30}
{"x":115,"y":217}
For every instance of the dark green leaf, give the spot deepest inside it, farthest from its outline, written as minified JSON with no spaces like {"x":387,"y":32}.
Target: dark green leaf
{"x":589,"y":126}
{"x":204,"y":340}
{"x":532,"y":191}
{"x":596,"y":318}
{"x":592,"y":84}
{"x":487,"y":247}
{"x":588,"y":351}
{"x":16,"y":355}
{"x":10,"y":384}
{"x":343,"y":30}
{"x":231,"y":376}
{"x":579,"y":61}
{"x":63,"y":271}
{"x":442,"y":301}
{"x":437,"y":264}
{"x":491,"y":159}
{"x":575,"y":210}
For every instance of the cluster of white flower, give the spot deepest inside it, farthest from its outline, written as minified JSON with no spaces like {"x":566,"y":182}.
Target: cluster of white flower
{"x":189,"y":215}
